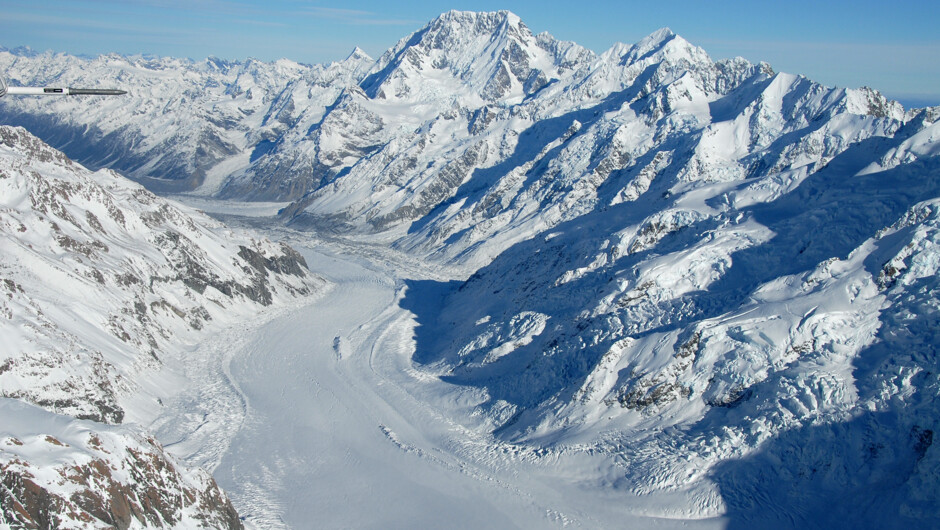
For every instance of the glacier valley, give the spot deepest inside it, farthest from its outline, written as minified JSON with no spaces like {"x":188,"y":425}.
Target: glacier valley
{"x":489,"y":279}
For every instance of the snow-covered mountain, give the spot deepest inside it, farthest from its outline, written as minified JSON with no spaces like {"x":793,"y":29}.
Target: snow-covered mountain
{"x":685,"y":262}
{"x":708,"y":271}
{"x":183,"y":124}
{"x":720,"y":321}
{"x":469,"y":178}
{"x":467,"y":136}
{"x":101,"y":281}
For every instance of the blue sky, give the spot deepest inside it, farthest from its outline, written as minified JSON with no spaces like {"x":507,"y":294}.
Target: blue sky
{"x":891,"y":46}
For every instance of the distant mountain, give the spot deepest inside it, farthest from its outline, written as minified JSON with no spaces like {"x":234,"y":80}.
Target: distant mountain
{"x":180,"y":118}
{"x":100,"y":280}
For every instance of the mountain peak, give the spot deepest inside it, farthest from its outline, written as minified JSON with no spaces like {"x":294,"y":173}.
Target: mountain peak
{"x":660,"y":35}
{"x":490,"y":55}
{"x":358,"y":54}
{"x":455,"y":15}
{"x":663,"y":42}
{"x":454,"y":27}
{"x":654,"y":41}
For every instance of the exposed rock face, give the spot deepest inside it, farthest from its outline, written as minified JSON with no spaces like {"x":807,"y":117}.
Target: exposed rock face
{"x":78,"y":474}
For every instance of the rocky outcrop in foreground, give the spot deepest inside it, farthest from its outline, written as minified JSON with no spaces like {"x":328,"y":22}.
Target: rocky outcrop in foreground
{"x":58,"y":472}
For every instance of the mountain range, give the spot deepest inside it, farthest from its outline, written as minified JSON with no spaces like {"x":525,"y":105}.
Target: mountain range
{"x":709,"y":270}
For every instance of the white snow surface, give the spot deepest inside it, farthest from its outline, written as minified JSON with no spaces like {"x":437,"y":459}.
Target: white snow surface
{"x":320,"y":414}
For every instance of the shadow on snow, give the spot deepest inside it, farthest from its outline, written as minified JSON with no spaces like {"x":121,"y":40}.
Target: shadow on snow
{"x":854,"y":471}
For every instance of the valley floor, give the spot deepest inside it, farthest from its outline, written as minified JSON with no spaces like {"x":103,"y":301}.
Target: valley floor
{"x":316,"y":416}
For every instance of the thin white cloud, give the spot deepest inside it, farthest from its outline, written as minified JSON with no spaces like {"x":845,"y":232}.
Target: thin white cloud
{"x":334,"y":12}
{"x":822,"y":45}
{"x":218,"y":6}
{"x":355,"y":17}
{"x":85,"y":23}
{"x":261,"y":23}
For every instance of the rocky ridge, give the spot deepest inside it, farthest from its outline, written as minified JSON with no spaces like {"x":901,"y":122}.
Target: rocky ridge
{"x":57,"y":472}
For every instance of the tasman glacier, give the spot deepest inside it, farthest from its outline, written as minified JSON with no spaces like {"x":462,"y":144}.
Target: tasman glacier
{"x":720,"y":277}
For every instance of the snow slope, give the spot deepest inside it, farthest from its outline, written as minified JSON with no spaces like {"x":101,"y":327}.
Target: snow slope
{"x":58,"y":472}
{"x":102,"y":283}
{"x":101,"y":278}
{"x":770,"y":337}
{"x":183,"y":124}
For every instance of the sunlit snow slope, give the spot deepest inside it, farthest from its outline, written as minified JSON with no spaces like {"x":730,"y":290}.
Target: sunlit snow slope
{"x":59,"y":472}
{"x":101,"y":282}
{"x":183,"y":124}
